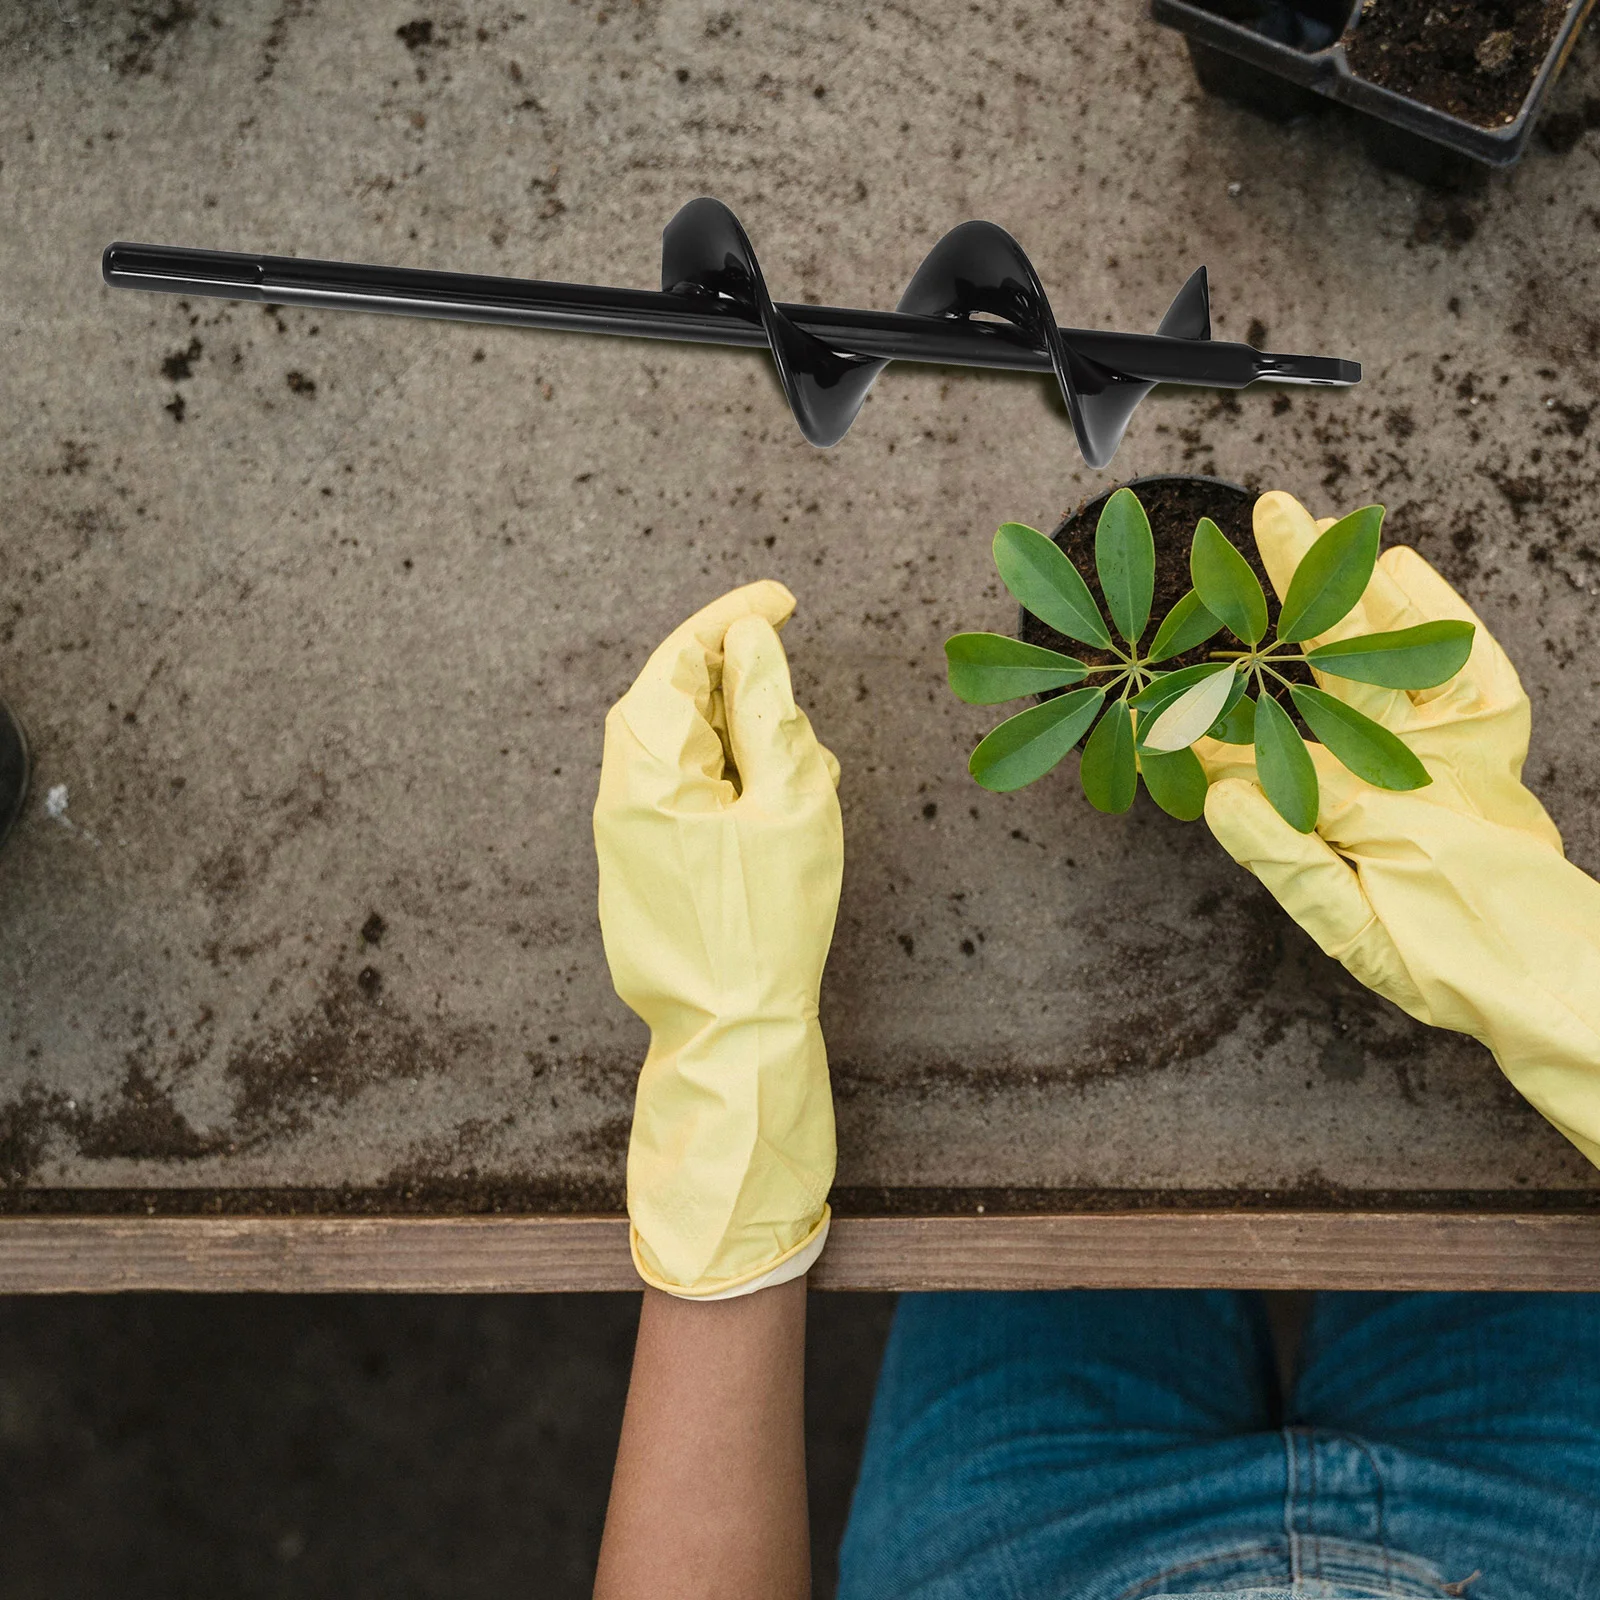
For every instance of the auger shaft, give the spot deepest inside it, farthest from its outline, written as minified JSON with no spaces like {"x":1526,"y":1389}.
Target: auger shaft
{"x":694,"y":316}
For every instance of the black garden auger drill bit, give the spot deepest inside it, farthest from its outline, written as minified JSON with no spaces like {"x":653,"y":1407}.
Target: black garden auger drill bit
{"x":712,"y":292}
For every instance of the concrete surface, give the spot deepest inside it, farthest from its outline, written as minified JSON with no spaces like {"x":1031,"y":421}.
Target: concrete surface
{"x":167,"y":1447}
{"x":314,"y":617}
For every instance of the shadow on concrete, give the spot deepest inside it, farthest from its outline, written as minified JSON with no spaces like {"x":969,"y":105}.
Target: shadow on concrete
{"x":394,"y":1446}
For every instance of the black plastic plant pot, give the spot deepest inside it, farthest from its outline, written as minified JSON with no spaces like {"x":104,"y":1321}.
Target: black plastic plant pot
{"x":1435,"y":87}
{"x":14,"y":769}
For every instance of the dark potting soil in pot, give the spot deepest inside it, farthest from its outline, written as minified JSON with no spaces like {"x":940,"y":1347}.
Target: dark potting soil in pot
{"x":1473,"y":59}
{"x":1174,"y":506}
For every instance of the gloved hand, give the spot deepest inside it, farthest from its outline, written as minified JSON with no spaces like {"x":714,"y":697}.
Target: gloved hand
{"x":1454,"y":901}
{"x":721,"y":851}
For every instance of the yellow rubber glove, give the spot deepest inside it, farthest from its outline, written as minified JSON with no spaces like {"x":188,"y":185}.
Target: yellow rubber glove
{"x":721,"y":852}
{"x":1454,"y":901}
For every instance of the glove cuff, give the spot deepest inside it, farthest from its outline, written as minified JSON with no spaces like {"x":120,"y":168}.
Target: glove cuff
{"x":793,"y":1263}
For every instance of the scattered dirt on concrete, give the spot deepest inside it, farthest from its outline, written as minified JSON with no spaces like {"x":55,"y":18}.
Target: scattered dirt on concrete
{"x":26,"y":1125}
{"x":180,"y":364}
{"x":74,"y":460}
{"x":607,"y":1142}
{"x":483,"y":1195}
{"x":150,"y":30}
{"x":1519,"y":492}
{"x":277,"y":35}
{"x":453,"y":1155}
{"x":133,"y":38}
{"x":349,"y":1040}
{"x":452,"y":1165}
{"x":1474,"y":59}
{"x":1561,"y":130}
{"x":1181,"y":996}
{"x":233,"y":868}
{"x":142,"y":1124}
{"x":1444,"y":219}
{"x":1311,"y":1193}
{"x":1574,"y":418}
{"x":1193,"y":991}
{"x":321,"y":1061}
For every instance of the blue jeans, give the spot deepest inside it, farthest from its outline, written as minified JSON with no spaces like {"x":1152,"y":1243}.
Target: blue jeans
{"x":1108,"y":1446}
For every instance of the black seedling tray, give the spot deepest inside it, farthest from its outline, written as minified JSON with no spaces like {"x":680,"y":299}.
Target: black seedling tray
{"x":1285,"y":58}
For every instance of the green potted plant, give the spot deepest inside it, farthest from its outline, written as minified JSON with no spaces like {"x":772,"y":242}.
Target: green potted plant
{"x":1223,"y":660}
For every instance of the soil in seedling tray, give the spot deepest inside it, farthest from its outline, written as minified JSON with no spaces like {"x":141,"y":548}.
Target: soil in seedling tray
{"x":1473,"y":59}
{"x":1173,"y":507}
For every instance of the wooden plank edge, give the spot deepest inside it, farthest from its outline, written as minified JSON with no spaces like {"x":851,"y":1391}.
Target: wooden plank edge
{"x":1189,"y":1249}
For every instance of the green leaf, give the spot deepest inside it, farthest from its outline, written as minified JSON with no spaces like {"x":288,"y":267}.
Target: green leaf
{"x":1167,"y":686}
{"x":1176,"y":781}
{"x":1228,"y":589}
{"x":1237,"y":725}
{"x":986,"y":668}
{"x":1028,"y":745}
{"x":1283,"y":764}
{"x":1125,"y":559}
{"x":1367,"y":748}
{"x":1187,"y":624}
{"x":1047,"y":584}
{"x":1155,"y":697}
{"x":1187,"y":717}
{"x":1109,"y":774}
{"x":1333,"y":574}
{"x":1409,"y":658}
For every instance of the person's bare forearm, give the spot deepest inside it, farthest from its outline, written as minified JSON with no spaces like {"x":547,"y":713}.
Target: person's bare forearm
{"x":709,"y":1495}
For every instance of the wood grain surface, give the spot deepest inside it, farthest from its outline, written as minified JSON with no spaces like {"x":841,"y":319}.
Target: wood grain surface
{"x":1277,"y":1250}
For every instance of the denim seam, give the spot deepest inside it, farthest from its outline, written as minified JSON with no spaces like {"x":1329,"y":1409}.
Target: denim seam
{"x":1313,"y":1485}
{"x":1332,"y":1567}
{"x":1291,"y":1539}
{"x":1195,"y":1564}
{"x":1380,"y":1497}
{"x":1308,"y":1438}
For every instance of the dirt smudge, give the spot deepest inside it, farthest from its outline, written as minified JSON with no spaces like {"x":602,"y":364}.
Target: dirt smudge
{"x":26,"y":1125}
{"x":240,"y":863}
{"x":142,"y":1124}
{"x":349,"y":1041}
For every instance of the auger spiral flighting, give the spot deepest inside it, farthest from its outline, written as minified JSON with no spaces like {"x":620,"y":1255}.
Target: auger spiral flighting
{"x":827,"y":357}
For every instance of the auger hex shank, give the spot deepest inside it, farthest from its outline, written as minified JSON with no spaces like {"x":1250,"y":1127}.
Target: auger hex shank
{"x":712,"y":292}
